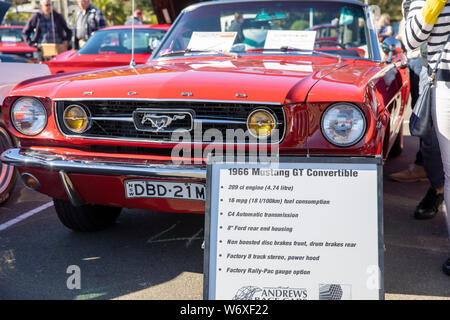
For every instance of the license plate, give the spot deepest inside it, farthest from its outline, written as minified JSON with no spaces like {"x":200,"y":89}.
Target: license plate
{"x":173,"y":190}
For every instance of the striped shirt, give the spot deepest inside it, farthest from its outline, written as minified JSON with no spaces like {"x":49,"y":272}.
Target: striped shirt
{"x":417,"y":32}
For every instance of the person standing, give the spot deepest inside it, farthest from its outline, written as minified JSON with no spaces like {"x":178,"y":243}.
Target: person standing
{"x":137,"y":16}
{"x":236,"y":26}
{"x":47,"y":26}
{"x":88,"y":20}
{"x":428,"y":164}
{"x":384,"y":27}
{"x":427,"y":22}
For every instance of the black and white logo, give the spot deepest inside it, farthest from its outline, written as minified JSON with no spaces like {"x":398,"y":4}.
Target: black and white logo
{"x":334,"y":292}
{"x":270,"y":293}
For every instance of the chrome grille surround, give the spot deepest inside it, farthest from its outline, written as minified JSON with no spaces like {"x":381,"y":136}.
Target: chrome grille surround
{"x":112,"y":119}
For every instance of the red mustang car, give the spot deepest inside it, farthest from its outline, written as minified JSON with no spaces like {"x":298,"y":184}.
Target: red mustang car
{"x":110,"y":47}
{"x":138,"y":137}
{"x":11,"y":43}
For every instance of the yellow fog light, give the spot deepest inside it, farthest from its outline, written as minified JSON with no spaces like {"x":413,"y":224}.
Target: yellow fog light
{"x":261,"y":123}
{"x":76,"y":119}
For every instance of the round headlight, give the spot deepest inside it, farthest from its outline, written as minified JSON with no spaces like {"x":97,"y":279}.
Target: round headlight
{"x":29,"y":116}
{"x":343,"y":124}
{"x":261,"y":123}
{"x":76,"y":119}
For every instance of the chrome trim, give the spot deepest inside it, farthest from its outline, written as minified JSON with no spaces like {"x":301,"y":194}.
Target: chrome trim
{"x":168,"y":100}
{"x":123,"y":119}
{"x":74,"y":197}
{"x":197,"y":120}
{"x":163,"y":100}
{"x":56,"y":162}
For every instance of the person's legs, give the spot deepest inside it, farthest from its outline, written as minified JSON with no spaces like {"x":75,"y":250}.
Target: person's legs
{"x":429,"y":205}
{"x":415,"y":171}
{"x":441,"y":120}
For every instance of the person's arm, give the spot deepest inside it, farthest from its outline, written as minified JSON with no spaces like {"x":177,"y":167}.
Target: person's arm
{"x":67,"y":30}
{"x":27,"y":30}
{"x":101,"y":23}
{"x":421,"y":18}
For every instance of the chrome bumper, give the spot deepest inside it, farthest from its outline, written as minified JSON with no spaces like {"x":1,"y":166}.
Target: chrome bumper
{"x":57,"y":162}
{"x":63,"y":165}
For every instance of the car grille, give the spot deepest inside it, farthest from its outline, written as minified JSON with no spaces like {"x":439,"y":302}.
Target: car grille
{"x":113,"y":119}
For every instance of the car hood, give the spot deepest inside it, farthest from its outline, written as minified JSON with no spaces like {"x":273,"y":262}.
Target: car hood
{"x":256,"y":80}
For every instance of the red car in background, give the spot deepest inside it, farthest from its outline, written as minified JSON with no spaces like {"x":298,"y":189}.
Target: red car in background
{"x":110,"y":47}
{"x":11,"y":43}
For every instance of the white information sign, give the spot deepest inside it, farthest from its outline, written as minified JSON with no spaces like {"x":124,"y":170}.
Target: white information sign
{"x":218,"y":41}
{"x":290,"y":38}
{"x":9,"y":39}
{"x":300,"y":231}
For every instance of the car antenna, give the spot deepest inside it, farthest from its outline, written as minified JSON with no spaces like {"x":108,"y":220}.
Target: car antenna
{"x":132,"y":62}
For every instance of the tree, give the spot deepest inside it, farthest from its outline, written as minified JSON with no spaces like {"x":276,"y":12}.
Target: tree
{"x":392,"y":7}
{"x":113,"y":11}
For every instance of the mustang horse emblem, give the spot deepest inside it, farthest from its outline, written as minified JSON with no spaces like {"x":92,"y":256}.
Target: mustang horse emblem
{"x":160,"y":122}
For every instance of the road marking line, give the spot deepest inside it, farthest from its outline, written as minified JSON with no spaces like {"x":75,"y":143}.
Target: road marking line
{"x":188,"y":243}
{"x":176,"y":239}
{"x":26,"y":215}
{"x":161,"y":233}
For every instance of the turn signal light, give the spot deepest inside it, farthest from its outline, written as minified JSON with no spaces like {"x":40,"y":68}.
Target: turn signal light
{"x":261,"y":123}
{"x":76,"y":119}
{"x":30,"y":181}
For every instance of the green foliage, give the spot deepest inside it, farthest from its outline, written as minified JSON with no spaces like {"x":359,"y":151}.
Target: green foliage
{"x":300,"y":25}
{"x":393,"y":7}
{"x":113,"y":10}
{"x":14,"y":17}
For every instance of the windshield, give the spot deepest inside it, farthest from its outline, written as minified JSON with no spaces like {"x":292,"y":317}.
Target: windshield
{"x":10,"y":35}
{"x":118,"y":41}
{"x":261,"y":27}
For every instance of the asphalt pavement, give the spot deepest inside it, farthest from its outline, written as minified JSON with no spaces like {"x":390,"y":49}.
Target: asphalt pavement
{"x":154,"y":255}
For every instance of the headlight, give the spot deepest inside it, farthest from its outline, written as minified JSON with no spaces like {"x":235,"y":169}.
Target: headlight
{"x":28,"y":116}
{"x":76,"y":119}
{"x":260,"y":123}
{"x":343,"y":124}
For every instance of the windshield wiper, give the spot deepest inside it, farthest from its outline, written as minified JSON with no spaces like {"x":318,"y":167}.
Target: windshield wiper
{"x":183,"y":52}
{"x":292,"y":49}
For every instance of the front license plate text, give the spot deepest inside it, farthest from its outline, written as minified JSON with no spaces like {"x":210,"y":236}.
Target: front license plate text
{"x":173,"y":190}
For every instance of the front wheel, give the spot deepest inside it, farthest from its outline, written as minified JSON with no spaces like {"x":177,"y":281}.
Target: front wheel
{"x":87,"y":218}
{"x":8,"y":174}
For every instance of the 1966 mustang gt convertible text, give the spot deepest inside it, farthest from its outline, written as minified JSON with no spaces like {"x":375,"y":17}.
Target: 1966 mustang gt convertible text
{"x":102,"y":140}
